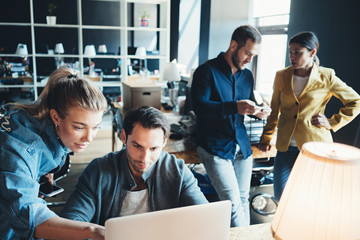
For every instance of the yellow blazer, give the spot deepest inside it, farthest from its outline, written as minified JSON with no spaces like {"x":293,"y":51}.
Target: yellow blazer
{"x":292,"y":115}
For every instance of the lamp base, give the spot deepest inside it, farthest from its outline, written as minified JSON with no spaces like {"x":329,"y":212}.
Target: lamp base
{"x":261,"y":194}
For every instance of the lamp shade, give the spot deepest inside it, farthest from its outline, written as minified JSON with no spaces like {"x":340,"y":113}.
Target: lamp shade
{"x":140,"y":52}
{"x":59,"y":48}
{"x":102,"y":48}
{"x":90,"y":51}
{"x":171,"y":72}
{"x":321,"y":199}
{"x":21,"y":49}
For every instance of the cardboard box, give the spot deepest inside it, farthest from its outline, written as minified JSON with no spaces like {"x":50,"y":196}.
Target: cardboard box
{"x":141,"y":93}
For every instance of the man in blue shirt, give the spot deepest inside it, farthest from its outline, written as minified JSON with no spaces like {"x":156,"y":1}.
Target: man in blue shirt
{"x":221,"y":90}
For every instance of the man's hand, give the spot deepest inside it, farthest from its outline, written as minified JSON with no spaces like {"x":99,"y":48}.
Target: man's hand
{"x":246,"y":107}
{"x":320,"y":120}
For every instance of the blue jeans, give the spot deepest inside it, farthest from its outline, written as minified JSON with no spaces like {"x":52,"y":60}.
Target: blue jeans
{"x":231,"y":180}
{"x":283,"y":163}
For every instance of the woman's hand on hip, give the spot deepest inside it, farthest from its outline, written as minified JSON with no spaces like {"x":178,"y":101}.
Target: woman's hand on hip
{"x":320,"y":120}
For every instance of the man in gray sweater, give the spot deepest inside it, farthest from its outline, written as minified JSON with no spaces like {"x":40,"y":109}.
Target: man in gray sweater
{"x":140,"y":178}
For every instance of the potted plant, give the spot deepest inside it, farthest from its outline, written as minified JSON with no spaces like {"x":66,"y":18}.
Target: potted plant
{"x":50,"y":18}
{"x":144,"y":19}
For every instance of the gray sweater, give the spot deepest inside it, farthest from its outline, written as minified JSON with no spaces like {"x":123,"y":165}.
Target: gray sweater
{"x":102,"y":187}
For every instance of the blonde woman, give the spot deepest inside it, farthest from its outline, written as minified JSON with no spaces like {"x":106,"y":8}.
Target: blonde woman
{"x":34,"y":140}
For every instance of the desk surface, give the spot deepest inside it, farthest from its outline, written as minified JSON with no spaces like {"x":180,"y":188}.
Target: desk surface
{"x":187,"y":152}
{"x":252,"y":232}
{"x":27,"y":79}
{"x":184,"y":150}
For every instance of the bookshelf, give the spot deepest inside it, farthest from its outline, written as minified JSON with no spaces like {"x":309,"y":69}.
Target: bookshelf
{"x":83,"y":22}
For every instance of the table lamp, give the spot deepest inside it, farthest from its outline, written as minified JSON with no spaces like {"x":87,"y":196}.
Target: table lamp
{"x":102,"y":49}
{"x":90,"y":52}
{"x":59,"y":49}
{"x":171,"y":72}
{"x":172,"y":76}
{"x":321,"y":199}
{"x":21,"y":50}
{"x":141,"y":54}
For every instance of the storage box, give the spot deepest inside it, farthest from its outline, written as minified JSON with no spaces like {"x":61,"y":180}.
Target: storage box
{"x":141,"y":93}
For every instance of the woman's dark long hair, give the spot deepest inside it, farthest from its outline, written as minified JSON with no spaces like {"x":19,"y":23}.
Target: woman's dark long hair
{"x":308,"y":40}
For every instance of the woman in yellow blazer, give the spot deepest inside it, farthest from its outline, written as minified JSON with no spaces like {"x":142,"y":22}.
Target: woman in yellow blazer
{"x":301,"y":92}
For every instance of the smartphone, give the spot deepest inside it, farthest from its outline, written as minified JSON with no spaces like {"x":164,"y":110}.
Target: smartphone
{"x":265,"y":109}
{"x":49,"y":190}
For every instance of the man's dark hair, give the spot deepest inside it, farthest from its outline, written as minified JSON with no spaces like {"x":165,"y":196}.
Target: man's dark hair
{"x":245,"y":32}
{"x":148,"y":117}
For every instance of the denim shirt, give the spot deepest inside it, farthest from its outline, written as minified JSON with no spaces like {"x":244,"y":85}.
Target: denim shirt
{"x":214,"y":93}
{"x":102,"y":187}
{"x":29,"y":148}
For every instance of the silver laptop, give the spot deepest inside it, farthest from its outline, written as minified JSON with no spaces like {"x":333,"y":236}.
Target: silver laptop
{"x":198,"y":222}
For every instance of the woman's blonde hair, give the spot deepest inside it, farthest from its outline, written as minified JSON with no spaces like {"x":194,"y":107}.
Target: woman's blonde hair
{"x":63,"y":90}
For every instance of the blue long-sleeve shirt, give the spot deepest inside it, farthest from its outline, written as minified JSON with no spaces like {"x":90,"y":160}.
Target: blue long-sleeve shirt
{"x":29,"y":148}
{"x":102,"y":187}
{"x":214,"y":93}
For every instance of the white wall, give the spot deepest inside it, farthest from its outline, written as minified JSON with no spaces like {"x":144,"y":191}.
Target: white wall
{"x":144,"y":38}
{"x":225,"y":17}
{"x":189,"y":32}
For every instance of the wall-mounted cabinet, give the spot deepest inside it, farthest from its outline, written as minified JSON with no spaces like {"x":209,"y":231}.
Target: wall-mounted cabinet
{"x":80,"y":23}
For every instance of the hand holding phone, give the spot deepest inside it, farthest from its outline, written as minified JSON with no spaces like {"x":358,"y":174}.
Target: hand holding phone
{"x":48,"y":190}
{"x":262,"y":112}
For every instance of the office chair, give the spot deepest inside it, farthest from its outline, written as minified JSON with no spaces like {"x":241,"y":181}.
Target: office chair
{"x":117,"y":123}
{"x":64,"y":170}
{"x":117,"y":126}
